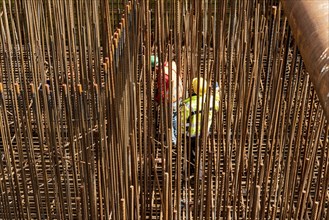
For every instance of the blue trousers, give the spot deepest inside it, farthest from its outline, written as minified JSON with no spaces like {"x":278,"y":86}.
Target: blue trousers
{"x":175,"y":109}
{"x":174,"y":128}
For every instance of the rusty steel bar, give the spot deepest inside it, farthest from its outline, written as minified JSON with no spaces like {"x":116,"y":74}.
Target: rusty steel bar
{"x":309,"y":21}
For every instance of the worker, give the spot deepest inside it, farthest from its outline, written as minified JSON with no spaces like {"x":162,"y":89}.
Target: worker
{"x":189,"y":113}
{"x":163,"y":91}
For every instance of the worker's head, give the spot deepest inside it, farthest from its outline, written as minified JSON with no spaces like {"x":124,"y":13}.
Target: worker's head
{"x":202,"y":86}
{"x":154,"y":61}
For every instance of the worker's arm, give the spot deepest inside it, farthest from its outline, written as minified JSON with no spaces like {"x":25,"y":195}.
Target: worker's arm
{"x":217,"y":98}
{"x":185,"y":114}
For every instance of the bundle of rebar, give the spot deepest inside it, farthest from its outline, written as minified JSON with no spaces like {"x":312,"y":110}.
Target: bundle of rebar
{"x":82,"y":137}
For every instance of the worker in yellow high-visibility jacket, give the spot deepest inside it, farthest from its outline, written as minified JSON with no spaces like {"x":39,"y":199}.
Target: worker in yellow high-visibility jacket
{"x":190,"y":110}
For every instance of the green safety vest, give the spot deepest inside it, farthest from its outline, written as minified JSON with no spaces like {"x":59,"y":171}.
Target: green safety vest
{"x":189,"y":112}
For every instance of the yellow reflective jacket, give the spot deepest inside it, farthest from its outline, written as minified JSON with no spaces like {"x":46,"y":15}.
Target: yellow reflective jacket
{"x":189,"y":114}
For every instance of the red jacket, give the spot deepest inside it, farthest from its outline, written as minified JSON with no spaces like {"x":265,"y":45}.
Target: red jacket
{"x":163,"y":91}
